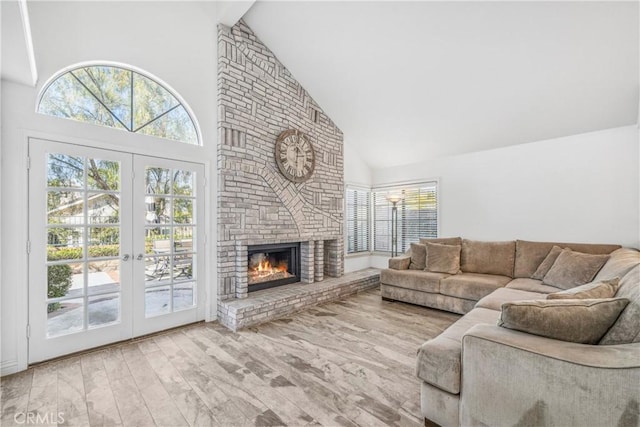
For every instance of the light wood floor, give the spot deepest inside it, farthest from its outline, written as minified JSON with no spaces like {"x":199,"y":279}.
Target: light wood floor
{"x":345,"y":363}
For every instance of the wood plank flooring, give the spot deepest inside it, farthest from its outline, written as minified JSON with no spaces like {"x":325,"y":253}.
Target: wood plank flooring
{"x":345,"y":363}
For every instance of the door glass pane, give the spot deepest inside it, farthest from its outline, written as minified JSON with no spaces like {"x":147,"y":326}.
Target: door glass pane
{"x":65,"y":280}
{"x":157,"y":181}
{"x":103,"y":276}
{"x":183,"y":211}
{"x":104,"y":242}
{"x":158,"y":210}
{"x":157,"y":301}
{"x":182,"y":267}
{"x":65,"y":207}
{"x":65,"y":171}
{"x":183,"y":183}
{"x":103,"y":175}
{"x":65,"y":317}
{"x":184,"y":238}
{"x":64,"y":243}
{"x":104,"y":309}
{"x":104,"y":208}
{"x":157,"y":269}
{"x":183,"y":296}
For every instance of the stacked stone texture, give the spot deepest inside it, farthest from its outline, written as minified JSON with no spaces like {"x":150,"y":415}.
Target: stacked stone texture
{"x":258,"y":99}
{"x":288,"y":299}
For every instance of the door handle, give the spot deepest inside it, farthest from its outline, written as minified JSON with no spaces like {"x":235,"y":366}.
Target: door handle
{"x":125,"y":257}
{"x":139,"y":257}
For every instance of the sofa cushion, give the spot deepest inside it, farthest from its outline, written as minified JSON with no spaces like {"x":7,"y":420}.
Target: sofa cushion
{"x":529,"y":255}
{"x":443,"y":258}
{"x":583,"y":321}
{"x":573,"y":269}
{"x":531,"y":285}
{"x":495,"y":299}
{"x":412,"y":279}
{"x":438,"y":360}
{"x":619,"y":263}
{"x":593,"y":290}
{"x":472,"y":286}
{"x":488,"y":257}
{"x":547,"y":263}
{"x":627,"y":327}
{"x":418,"y":257}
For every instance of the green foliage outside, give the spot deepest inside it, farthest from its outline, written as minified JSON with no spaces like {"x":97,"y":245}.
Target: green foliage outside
{"x":57,"y":254}
{"x":59,"y":282}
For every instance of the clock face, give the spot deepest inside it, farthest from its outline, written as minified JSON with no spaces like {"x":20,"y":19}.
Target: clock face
{"x":295,"y":156}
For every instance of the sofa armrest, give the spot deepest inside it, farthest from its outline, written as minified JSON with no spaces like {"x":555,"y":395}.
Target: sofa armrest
{"x":400,"y":262}
{"x":513,"y":378}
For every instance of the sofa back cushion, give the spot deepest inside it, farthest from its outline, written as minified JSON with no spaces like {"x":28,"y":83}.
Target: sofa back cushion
{"x":443,"y":258}
{"x":627,"y":327}
{"x":529,"y":255}
{"x":488,"y":257}
{"x":619,"y":264}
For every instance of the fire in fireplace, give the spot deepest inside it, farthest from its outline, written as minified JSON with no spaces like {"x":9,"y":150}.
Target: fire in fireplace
{"x":273,"y":265}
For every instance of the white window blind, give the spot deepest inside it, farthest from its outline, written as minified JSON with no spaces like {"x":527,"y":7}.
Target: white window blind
{"x":417,"y":215}
{"x":358,"y":219}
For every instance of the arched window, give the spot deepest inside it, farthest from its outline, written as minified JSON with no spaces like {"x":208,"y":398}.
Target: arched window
{"x":118,"y":97}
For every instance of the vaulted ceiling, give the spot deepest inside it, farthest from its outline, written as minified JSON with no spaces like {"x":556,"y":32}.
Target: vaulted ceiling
{"x":412,"y":81}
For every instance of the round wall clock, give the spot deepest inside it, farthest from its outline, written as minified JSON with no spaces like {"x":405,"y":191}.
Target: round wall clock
{"x":295,"y":156}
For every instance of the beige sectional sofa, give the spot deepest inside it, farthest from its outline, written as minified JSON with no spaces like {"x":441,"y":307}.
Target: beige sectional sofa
{"x":477,"y":373}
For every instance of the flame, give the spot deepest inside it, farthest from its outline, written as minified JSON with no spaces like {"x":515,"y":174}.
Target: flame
{"x":265,"y":266}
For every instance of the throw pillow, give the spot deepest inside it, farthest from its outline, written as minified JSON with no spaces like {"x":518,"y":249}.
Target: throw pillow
{"x":583,"y":321}
{"x":443,"y":240}
{"x":418,"y":257}
{"x":443,"y":258}
{"x":604,"y":289}
{"x":546,"y":264}
{"x":573,"y":269}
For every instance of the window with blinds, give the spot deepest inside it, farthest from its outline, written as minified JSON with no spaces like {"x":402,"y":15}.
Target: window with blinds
{"x":417,"y":215}
{"x":358,"y":214}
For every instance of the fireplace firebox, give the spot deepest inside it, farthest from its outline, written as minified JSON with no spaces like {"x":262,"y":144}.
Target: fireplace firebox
{"x":272,"y":265}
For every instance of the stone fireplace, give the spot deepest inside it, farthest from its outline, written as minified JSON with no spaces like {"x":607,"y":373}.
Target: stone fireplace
{"x":258,"y":98}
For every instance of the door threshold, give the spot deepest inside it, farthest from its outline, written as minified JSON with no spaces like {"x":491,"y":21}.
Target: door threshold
{"x":113,"y":344}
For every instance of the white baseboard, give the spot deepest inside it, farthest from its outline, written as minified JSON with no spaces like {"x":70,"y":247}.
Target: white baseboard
{"x":9,"y":367}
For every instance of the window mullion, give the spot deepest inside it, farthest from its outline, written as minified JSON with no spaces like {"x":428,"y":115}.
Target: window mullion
{"x":99,"y":100}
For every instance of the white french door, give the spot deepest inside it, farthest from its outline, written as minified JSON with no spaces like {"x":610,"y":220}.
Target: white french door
{"x":115,"y":246}
{"x":168,"y":225}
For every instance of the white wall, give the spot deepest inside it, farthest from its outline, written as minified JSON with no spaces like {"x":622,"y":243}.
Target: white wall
{"x":356,"y":171}
{"x":174,"y":41}
{"x":580,"y":188}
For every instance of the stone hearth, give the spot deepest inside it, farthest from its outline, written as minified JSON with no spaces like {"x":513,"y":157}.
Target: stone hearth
{"x":269,"y":304}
